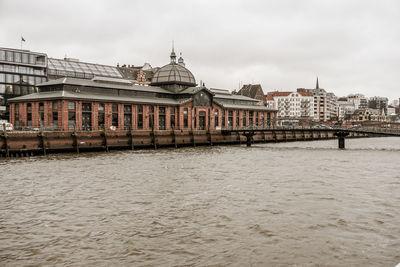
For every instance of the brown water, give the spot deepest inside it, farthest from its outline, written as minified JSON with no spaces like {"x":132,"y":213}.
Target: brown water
{"x":296,"y":204}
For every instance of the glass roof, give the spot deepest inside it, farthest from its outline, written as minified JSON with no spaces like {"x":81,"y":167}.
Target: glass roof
{"x":81,"y":69}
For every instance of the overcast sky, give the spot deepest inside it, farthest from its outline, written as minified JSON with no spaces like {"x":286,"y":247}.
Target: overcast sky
{"x":351,"y":45}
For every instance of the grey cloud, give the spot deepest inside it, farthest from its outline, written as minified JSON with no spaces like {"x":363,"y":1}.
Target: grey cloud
{"x":353,"y":46}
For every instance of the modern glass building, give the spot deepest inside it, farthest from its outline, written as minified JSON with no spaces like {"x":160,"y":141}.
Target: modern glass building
{"x":20,"y":72}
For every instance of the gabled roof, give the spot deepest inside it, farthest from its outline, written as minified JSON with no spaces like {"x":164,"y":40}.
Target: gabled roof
{"x":250,"y":90}
{"x":194,"y":90}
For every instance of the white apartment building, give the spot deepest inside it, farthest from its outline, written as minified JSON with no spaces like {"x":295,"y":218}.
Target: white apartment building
{"x":325,"y":106}
{"x":345,"y":109}
{"x":292,"y":105}
{"x":359,"y":101}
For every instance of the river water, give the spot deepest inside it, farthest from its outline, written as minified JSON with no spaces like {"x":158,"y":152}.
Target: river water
{"x":285,"y":204}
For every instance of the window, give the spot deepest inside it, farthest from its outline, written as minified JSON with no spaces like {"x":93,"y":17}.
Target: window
{"x":251,"y":117}
{"x":151,"y":117}
{"x":114,"y":115}
{"x":2,"y":55}
{"x":140,"y":117}
{"x":25,"y":58}
{"x":9,"y":78}
{"x":16,"y":114}
{"x":256,"y":118}
{"x":237,"y":118}
{"x":127,"y":116}
{"x":100,"y":116}
{"x":32,"y":59}
{"x":185,"y":118}
{"x":71,"y":106}
{"x":87,"y":116}
{"x":29,"y":114}
{"x":9,"y":56}
{"x":172,"y":120}
{"x":244,"y":118}
{"x":2,"y":78}
{"x":41,"y":114}
{"x":17,"y":57}
{"x":230,"y":118}
{"x":161,"y":118}
{"x":17,"y":90}
{"x":262,"y":119}
{"x":216,"y":118}
{"x":71,"y":115}
{"x":223,"y":119}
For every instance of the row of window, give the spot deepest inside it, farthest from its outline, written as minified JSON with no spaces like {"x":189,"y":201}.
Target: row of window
{"x":20,"y":57}
{"x":15,"y":90}
{"x":22,"y":69}
{"x":21,"y":79}
{"x":127,"y":116}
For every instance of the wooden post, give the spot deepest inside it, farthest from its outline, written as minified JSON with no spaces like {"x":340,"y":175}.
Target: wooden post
{"x":130,"y":134}
{"x":41,"y":136}
{"x":192,"y":135}
{"x":174,"y":137}
{"x":104,"y":134}
{"x":5,"y":137}
{"x":153,"y":133}
{"x":75,"y":140}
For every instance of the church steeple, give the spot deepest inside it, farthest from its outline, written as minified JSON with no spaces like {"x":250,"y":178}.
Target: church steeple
{"x":317,"y":85}
{"x":173,"y":55}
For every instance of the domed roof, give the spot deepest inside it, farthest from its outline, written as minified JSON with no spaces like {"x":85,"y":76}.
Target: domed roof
{"x":173,"y":73}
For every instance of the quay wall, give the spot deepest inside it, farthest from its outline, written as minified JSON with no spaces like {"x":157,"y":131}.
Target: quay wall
{"x":34,"y":143}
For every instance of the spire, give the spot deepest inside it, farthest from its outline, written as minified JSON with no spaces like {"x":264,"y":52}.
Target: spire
{"x":317,"y":86}
{"x":173,"y":55}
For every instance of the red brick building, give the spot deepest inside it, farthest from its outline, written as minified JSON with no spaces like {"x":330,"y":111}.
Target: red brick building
{"x":172,"y":101}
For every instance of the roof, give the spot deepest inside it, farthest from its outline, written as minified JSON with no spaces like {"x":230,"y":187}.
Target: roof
{"x":103,"y":84}
{"x":99,"y":97}
{"x":277,"y":93}
{"x":304,"y":93}
{"x":193,"y":90}
{"x":173,"y":74}
{"x":269,"y":97}
{"x":74,"y":68}
{"x":239,"y":106}
{"x":250,"y":90}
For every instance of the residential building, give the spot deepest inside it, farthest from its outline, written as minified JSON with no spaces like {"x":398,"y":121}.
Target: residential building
{"x":359,"y":101}
{"x":345,"y":110}
{"x":291,"y":105}
{"x":368,"y":114}
{"x":325,"y":107}
{"x":378,"y":102}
